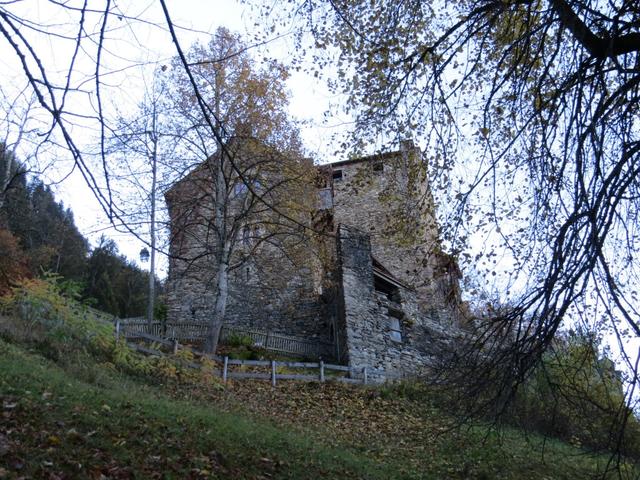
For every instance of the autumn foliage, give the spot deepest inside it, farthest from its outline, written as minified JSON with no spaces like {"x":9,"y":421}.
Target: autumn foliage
{"x":37,"y":312}
{"x":577,"y":395}
{"x":13,"y":262}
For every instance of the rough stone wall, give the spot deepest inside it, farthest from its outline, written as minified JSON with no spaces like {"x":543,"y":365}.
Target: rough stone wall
{"x":388,"y":197}
{"x":271,"y":293}
{"x":255,"y":307}
{"x":274,"y":287}
{"x":190,"y":280}
{"x":368,"y":316}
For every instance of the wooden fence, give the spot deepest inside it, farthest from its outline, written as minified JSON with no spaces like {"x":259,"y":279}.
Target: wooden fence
{"x":274,"y":368}
{"x":287,"y":344}
{"x":133,"y":327}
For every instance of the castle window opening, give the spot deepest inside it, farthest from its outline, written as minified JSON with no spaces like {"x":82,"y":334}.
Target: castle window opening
{"x":241,"y":188}
{"x":337,"y":175}
{"x":385,"y":287}
{"x":395,"y":329}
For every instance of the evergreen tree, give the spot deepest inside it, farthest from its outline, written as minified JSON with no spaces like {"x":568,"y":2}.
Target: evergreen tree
{"x":14,"y":195}
{"x":114,"y":284}
{"x":54,"y":242}
{"x":44,"y":228}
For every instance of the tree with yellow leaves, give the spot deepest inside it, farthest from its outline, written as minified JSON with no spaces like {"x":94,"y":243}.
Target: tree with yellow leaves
{"x":247,"y":193}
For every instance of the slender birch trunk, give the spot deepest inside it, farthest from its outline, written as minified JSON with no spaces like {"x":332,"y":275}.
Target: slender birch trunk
{"x":5,"y":178}
{"x":152,"y":226}
{"x":223,"y":254}
{"x":222,"y":292}
{"x":223,"y":247}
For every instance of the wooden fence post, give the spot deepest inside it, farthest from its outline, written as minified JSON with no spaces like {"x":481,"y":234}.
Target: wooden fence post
{"x":321,"y":371}
{"x":364,"y":375}
{"x":175,"y":346}
{"x":273,"y":373}
{"x":224,"y":369}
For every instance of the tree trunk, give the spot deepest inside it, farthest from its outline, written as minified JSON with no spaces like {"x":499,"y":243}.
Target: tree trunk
{"x":152,"y":227}
{"x":223,"y":254}
{"x":222,"y":292}
{"x":5,"y":177}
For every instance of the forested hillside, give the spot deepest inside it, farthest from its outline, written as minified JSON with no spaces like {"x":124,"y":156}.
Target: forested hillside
{"x":38,"y":235}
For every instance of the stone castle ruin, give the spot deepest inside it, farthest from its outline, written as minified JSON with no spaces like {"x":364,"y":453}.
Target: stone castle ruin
{"x":371,"y":287}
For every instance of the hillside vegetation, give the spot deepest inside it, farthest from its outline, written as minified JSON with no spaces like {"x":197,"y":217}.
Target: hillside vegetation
{"x":77,"y":404}
{"x":38,"y":234}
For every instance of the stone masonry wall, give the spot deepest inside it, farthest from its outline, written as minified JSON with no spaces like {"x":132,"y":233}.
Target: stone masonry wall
{"x":291,"y":307}
{"x":368,"y":318}
{"x":276,"y":289}
{"x":387,"y":196}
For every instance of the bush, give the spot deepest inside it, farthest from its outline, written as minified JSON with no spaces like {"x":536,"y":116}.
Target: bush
{"x":13,"y":261}
{"x":238,"y":340}
{"x":577,"y":395}
{"x":243,"y":354}
{"x":160,"y":311}
{"x":36,"y":312}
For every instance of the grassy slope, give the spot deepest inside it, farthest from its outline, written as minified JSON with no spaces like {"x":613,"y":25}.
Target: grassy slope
{"x":85,"y":420}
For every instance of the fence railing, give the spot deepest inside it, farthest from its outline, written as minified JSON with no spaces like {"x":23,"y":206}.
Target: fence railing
{"x":281,"y":343}
{"x":133,"y":327}
{"x":287,"y":344}
{"x":275,"y":373}
{"x":275,"y":370}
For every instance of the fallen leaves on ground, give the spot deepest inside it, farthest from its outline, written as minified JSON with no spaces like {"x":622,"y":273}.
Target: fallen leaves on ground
{"x":336,"y":414}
